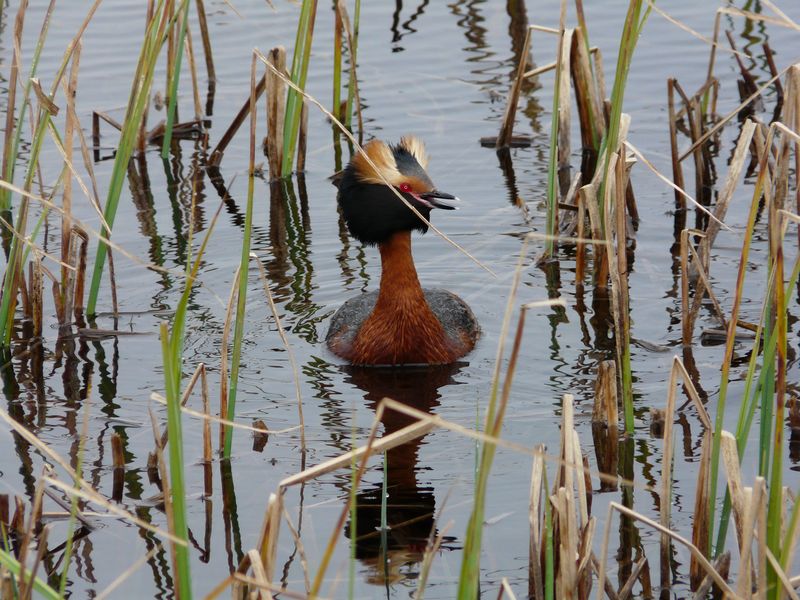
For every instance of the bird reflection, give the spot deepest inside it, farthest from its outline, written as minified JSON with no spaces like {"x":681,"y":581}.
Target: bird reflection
{"x":391,"y":554}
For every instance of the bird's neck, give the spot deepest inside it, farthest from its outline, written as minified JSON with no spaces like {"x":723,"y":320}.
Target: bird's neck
{"x":402,"y":328}
{"x":400,"y":286}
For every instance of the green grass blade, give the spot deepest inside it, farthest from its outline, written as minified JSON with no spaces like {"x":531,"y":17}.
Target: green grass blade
{"x":173,"y":85}
{"x":12,"y":564}
{"x":137,"y":102}
{"x":244,"y":260}
{"x":294,"y":102}
{"x":351,"y":85}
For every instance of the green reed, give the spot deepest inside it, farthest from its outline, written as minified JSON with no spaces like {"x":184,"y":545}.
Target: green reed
{"x":172,"y":358}
{"x":8,"y":561}
{"x":241,"y":296}
{"x":351,"y":85}
{"x":155,"y":36}
{"x":294,"y":101}
{"x":173,"y":84}
{"x":632,"y":28}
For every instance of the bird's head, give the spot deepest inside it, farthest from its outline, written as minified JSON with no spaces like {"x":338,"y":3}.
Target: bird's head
{"x":371,"y":209}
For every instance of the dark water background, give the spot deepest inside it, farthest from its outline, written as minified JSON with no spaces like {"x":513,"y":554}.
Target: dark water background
{"x":441,"y":71}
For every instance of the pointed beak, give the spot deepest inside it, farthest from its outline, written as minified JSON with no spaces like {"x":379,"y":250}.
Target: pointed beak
{"x":439,"y":199}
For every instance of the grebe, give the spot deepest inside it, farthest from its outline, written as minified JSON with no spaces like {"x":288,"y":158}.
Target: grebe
{"x":401,"y":323}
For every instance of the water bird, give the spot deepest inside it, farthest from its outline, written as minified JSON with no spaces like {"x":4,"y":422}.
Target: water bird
{"x":401,"y":323}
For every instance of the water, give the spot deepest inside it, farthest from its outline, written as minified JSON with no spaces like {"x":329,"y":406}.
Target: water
{"x":440,"y":71}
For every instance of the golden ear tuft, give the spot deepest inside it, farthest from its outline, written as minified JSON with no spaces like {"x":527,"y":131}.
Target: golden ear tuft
{"x":381,"y":156}
{"x":416,"y":148}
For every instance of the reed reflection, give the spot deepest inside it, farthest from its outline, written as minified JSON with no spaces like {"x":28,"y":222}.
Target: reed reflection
{"x":391,"y":549}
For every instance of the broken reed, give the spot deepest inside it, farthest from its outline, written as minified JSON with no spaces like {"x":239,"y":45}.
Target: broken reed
{"x":18,"y":250}
{"x":764,"y":388}
{"x":605,"y":195}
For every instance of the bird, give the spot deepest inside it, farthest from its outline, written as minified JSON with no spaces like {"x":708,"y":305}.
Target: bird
{"x":401,"y":323}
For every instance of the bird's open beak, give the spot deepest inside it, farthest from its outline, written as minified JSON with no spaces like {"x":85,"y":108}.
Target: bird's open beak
{"x":439,"y":199}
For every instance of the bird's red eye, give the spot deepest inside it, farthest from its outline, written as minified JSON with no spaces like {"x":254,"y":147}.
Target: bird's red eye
{"x":405,"y":187}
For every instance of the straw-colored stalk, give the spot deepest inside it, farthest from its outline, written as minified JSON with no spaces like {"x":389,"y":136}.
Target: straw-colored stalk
{"x":276,"y":111}
{"x":352,"y":82}
{"x":507,"y":126}
{"x":587,"y":97}
{"x":290,"y":353}
{"x":353,"y":96}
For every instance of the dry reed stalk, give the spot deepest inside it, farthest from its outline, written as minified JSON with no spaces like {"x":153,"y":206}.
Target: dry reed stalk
{"x":744,"y":583}
{"x":276,"y":111}
{"x":166,"y":491}
{"x":69,"y":129}
{"x":580,"y":248}
{"x":289,"y":352}
{"x":568,"y":205}
{"x":695,"y":552}
{"x":270,"y":531}
{"x":141,"y":137}
{"x":587,"y":97}
{"x":700,"y":522}
{"x":588,"y":194}
{"x":584,"y":568}
{"x":241,"y":589}
{"x":223,"y":366}
{"x":730,"y":460}
{"x":505,"y":591}
{"x":665,"y":493}
{"x":215,"y":158}
{"x":721,"y":566}
{"x":302,"y":140}
{"x":564,"y":110}
{"x":535,"y":549}
{"x":677,"y":170}
{"x":605,"y":423}
{"x":189,"y":50}
{"x":203,"y":23}
{"x":734,"y":171}
{"x":214,"y":419}
{"x":36,"y":293}
{"x":118,"y":462}
{"x":621,"y":181}
{"x":33,"y":527}
{"x":41,"y":550}
{"x":86,"y":491}
{"x":199,"y":373}
{"x":73,"y":284}
{"x":507,"y":126}
{"x":722,"y":121}
{"x":11,"y":94}
{"x":208,"y":486}
{"x":387,"y":442}
{"x":627,"y":589}
{"x":300,"y":548}
{"x":341,"y":8}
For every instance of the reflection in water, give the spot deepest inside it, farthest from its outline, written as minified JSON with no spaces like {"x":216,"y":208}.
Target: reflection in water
{"x":391,"y":552}
{"x":406,"y":25}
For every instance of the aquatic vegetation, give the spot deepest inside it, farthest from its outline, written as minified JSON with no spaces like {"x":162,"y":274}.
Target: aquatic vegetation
{"x":341,"y":455}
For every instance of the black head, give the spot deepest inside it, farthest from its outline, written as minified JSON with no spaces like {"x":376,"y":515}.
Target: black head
{"x":372,"y":211}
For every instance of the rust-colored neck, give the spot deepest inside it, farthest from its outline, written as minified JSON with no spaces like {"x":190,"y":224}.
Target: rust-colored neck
{"x":402,"y":328}
{"x":400,"y":288}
